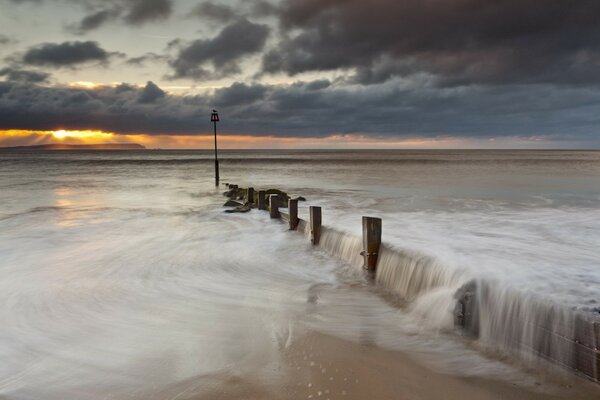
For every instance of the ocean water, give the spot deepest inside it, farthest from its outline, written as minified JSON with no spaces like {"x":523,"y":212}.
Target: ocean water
{"x":120,"y":273}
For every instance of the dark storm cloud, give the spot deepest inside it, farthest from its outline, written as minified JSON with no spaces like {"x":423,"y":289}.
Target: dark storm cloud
{"x":263,"y":9}
{"x":66,"y":54}
{"x":129,"y":12}
{"x":22,"y":75}
{"x":315,"y":109}
{"x":214,"y":12}
{"x":94,"y":21}
{"x":122,"y":109}
{"x":124,"y":87}
{"x":150,"y":94}
{"x":318,"y":84}
{"x":239,"y":94}
{"x":458,"y":42}
{"x":309,"y":109}
{"x":223,"y":52}
{"x":141,"y":11}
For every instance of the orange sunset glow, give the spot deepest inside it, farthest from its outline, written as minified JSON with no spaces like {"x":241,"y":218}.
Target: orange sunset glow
{"x":95,"y":136}
{"x":11,"y":138}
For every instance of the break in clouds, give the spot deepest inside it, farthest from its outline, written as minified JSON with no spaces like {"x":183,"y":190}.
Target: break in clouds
{"x":382,"y":67}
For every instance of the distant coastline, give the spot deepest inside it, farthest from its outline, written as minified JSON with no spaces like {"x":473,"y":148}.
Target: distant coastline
{"x":58,"y":146}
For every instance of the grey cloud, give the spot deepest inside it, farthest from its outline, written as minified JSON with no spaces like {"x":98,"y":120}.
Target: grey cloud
{"x":318,"y":84}
{"x":131,"y":12}
{"x":142,"y":11}
{"x":124,"y":87}
{"x":299,"y":110}
{"x":239,"y":94}
{"x":21,"y":75}
{"x":466,"y":42}
{"x":95,"y":20}
{"x":4,"y":40}
{"x":65,"y":54}
{"x":150,"y":94}
{"x":263,"y":9}
{"x":389,"y":111}
{"x":237,"y":40}
{"x":212,"y":11}
{"x":145,"y":58}
{"x":27,"y":106}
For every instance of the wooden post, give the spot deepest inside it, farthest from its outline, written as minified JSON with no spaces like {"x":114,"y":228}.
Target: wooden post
{"x":250,"y":195}
{"x":371,"y":242}
{"x":261,"y":200}
{"x":293,"y":210}
{"x":274,"y":206}
{"x":315,"y":224}
{"x":466,"y":312}
{"x":597,"y":335}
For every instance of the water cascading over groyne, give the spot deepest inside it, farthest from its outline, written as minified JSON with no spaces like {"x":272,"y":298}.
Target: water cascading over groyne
{"x":524,"y":325}
{"x":529,"y":326}
{"x":536,"y":330}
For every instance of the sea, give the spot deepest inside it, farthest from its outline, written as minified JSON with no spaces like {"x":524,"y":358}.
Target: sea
{"x":120,"y":272}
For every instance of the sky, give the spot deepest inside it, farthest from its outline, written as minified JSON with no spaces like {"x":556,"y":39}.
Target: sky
{"x":301,"y":73}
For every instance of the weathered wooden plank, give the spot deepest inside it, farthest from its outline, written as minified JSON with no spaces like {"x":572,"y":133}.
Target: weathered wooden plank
{"x":250,"y":195}
{"x":293,"y":213}
{"x":597,"y":349}
{"x":315,"y":224}
{"x":262,"y":200}
{"x":371,"y":243}
{"x":584,"y":331}
{"x":587,"y":351}
{"x":585,"y":361}
{"x":466,"y":312}
{"x":274,"y":206}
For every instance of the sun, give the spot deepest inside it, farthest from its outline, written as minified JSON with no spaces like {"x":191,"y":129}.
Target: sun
{"x":60,"y":134}
{"x":82,"y":135}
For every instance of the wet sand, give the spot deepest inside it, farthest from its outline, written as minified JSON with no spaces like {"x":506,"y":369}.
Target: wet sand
{"x":318,"y":366}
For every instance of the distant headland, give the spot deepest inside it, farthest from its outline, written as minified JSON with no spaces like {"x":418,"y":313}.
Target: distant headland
{"x":59,"y":146}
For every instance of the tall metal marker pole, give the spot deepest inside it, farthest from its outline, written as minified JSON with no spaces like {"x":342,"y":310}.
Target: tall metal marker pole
{"x":214,"y":118}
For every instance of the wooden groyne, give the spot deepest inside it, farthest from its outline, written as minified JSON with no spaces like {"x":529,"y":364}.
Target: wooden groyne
{"x":551,"y":332}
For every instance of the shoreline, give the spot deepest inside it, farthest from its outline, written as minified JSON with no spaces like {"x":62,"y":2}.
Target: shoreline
{"x":319,"y":366}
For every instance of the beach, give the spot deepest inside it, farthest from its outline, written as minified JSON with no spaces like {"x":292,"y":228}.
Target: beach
{"x":122,"y":277}
{"x":318,"y":366}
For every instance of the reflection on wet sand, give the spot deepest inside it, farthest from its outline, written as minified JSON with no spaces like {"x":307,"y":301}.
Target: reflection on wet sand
{"x":317,"y":366}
